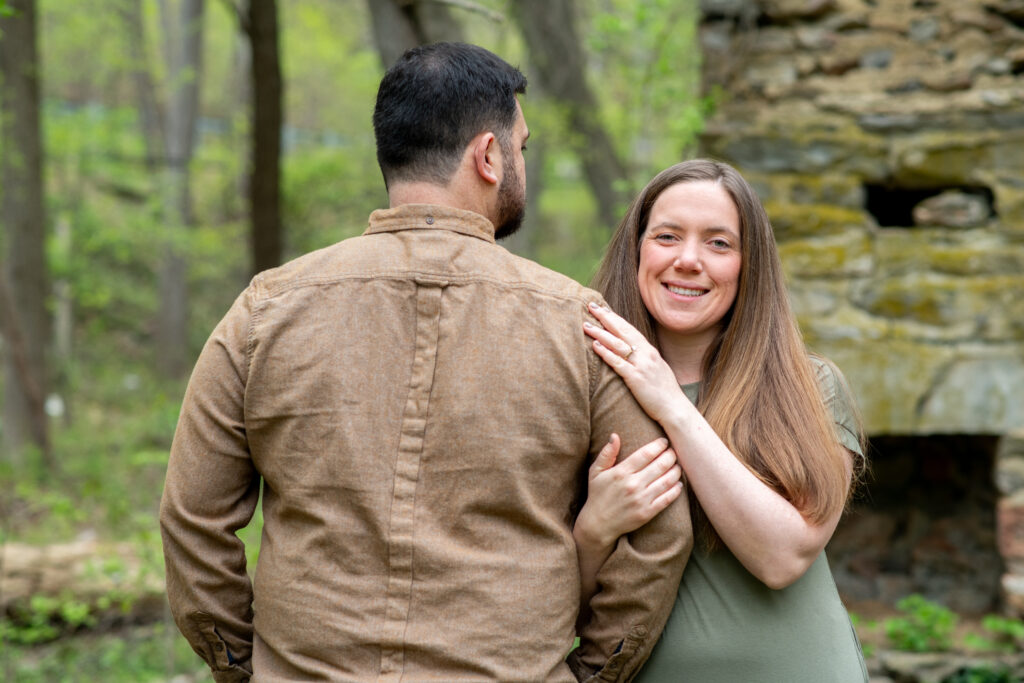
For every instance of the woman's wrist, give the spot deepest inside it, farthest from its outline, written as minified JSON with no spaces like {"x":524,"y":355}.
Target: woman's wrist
{"x":680,"y":415}
{"x":589,"y":538}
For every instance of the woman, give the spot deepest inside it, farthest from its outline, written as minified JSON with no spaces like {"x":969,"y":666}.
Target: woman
{"x":766,"y":436}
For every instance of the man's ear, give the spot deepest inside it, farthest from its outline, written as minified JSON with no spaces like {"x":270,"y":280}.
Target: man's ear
{"x":486,"y":157}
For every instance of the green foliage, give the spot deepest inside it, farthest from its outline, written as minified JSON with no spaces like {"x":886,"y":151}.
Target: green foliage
{"x":1001,"y":635}
{"x":927,"y":626}
{"x":45,"y":618}
{"x":329,"y":191}
{"x":980,"y":675}
{"x":138,"y":655}
{"x":647,"y":67}
{"x":859,"y":626}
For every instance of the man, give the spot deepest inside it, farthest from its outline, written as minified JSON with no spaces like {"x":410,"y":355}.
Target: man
{"x":420,"y":405}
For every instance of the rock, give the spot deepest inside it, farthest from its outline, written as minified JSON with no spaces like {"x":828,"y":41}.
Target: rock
{"x":890,"y":123}
{"x":844,"y":254}
{"x":846,"y":21}
{"x":998,"y":66}
{"x":923,"y":667}
{"x":784,"y":11}
{"x":876,"y":59}
{"x":905,"y":86}
{"x":771,"y":74}
{"x":1012,"y":586}
{"x":1011,"y":446}
{"x":975,"y":18}
{"x":795,"y":221}
{"x":923,"y":30}
{"x":86,"y":569}
{"x":962,"y":253}
{"x":997,"y":98}
{"x":980,"y":395}
{"x":888,"y":399}
{"x":948,"y":82}
{"x":953,"y":209}
{"x":815,"y":38}
{"x":837,"y":65}
{"x":1010,"y":525}
{"x":1010,"y":9}
{"x":774,"y":40}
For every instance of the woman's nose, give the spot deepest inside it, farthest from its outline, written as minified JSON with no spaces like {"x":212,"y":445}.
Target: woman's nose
{"x":688,"y":257}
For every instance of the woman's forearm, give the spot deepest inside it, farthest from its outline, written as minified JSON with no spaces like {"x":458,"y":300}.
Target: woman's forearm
{"x":766,"y":533}
{"x":592,"y":553}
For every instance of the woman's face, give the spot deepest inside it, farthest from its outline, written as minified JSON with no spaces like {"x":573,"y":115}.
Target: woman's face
{"x":690,"y":259}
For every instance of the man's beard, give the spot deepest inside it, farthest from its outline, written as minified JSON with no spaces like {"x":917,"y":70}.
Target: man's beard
{"x":511,"y":200}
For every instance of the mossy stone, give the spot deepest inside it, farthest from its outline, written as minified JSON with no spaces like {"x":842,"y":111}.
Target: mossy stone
{"x":888,"y":379}
{"x":934,"y":299}
{"x":793,"y":221}
{"x":974,"y":252}
{"x":847,"y":253}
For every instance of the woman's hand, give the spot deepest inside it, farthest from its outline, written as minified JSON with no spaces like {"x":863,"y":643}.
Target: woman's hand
{"x":644,"y":371}
{"x":623,"y":497}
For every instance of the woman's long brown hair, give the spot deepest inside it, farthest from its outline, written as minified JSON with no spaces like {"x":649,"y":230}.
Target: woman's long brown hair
{"x":758,"y":391}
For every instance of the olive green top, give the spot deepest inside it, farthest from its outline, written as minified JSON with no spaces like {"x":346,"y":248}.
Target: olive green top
{"x":728,"y":627}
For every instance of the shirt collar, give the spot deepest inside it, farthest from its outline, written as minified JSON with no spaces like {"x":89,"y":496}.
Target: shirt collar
{"x":428,"y":217}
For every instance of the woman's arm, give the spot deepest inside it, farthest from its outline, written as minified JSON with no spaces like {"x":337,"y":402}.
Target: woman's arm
{"x":621,"y":498}
{"x":765,"y":532}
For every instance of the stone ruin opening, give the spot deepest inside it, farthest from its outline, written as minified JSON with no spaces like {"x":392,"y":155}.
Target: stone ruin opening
{"x":893,"y":206}
{"x":925,"y":522}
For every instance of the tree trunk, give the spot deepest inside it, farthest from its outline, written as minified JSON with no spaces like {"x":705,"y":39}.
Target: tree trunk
{"x":402,"y":24}
{"x":150,"y":114}
{"x":267,"y":117}
{"x":21,"y":212}
{"x":549,"y":30}
{"x":184,"y":60}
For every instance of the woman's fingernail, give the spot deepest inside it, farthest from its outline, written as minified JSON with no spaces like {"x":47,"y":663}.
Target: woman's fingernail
{"x":587,"y":325}
{"x":595,"y":305}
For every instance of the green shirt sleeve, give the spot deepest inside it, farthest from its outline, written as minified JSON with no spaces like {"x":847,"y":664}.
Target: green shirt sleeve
{"x":840,"y":402}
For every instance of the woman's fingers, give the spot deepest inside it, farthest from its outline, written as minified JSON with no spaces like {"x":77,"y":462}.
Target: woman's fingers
{"x":605,"y":459}
{"x":642,"y":458}
{"x":614,"y":360}
{"x":665,"y":499}
{"x":609,"y":340}
{"x":616,"y":325}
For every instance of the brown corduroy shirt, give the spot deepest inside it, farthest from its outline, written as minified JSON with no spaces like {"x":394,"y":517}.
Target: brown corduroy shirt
{"x":421,"y":407}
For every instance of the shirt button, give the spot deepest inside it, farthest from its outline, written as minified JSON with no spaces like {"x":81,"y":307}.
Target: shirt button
{"x":430,"y":220}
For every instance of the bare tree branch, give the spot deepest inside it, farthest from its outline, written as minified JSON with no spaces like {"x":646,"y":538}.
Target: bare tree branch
{"x":470,"y":6}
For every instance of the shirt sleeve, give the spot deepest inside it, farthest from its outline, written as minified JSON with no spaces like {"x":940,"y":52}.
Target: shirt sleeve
{"x":840,"y":403}
{"x":637,"y":584}
{"x":211,"y":492}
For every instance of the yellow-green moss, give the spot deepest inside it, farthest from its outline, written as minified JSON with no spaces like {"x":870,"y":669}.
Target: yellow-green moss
{"x":847,"y":253}
{"x":803,"y":220}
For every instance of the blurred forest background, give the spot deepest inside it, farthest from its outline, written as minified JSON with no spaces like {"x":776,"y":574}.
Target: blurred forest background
{"x":154,"y":155}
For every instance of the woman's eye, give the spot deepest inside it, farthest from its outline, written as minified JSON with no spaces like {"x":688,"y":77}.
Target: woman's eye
{"x":720,"y":244}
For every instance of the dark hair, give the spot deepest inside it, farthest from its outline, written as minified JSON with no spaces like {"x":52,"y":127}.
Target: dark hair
{"x":434,"y":101}
{"x":788,"y":441}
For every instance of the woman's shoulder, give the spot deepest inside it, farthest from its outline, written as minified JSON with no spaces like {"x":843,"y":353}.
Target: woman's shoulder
{"x":839,"y":401}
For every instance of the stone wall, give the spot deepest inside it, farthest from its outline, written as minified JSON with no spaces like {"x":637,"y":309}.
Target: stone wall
{"x":886,"y":138}
{"x":838,"y":110}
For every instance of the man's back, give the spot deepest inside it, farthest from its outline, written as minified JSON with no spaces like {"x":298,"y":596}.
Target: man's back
{"x":421,"y":406}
